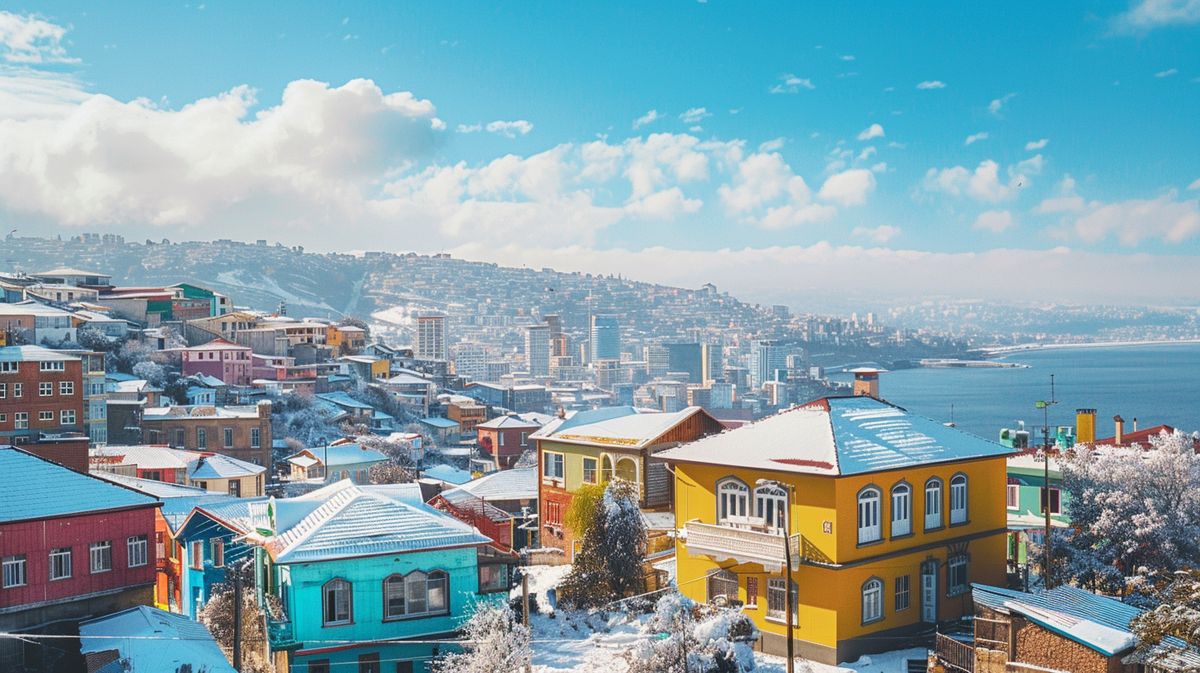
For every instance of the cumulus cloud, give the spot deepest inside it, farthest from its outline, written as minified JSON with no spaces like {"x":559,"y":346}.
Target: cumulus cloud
{"x":1036,"y":144}
{"x":931,"y":84}
{"x":982,"y":184}
{"x":881,"y":234}
{"x":650,"y":117}
{"x":848,"y":188}
{"x":1164,"y":218}
{"x":1166,"y":73}
{"x":26,"y":93}
{"x":790,"y":83}
{"x":995,"y":221}
{"x":872,"y":131}
{"x":1067,"y":201}
{"x":763,"y":182}
{"x":772,"y":145}
{"x":28,"y":39}
{"x":1146,"y":15}
{"x":510,"y":129}
{"x":1195,"y":184}
{"x":976,"y":137}
{"x":997,"y":104}
{"x":694,"y":115}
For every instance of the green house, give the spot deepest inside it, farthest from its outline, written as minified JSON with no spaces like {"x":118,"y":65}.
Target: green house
{"x":1025,"y":498}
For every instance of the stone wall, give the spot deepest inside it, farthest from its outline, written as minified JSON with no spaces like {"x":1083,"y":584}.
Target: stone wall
{"x":1040,"y":647}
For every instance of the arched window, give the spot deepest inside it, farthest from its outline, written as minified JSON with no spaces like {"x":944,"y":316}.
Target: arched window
{"x":336,"y":602}
{"x":933,"y":504}
{"x":901,"y":509}
{"x":869,"y":529}
{"x":733,"y":499}
{"x":872,"y":600}
{"x":958,"y":499}
{"x":770,"y":505}
{"x":723,"y":584}
{"x":417,"y":593}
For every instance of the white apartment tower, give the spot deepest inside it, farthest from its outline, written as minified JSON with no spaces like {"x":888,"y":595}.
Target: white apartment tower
{"x":431,"y":337}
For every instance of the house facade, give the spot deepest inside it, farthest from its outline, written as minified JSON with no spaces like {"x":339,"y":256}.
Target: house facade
{"x":593,"y":447}
{"x":41,"y":403}
{"x":71,"y":546}
{"x":220,"y":359}
{"x":334,"y":463}
{"x":889,"y":516}
{"x":242,"y":432}
{"x":211,"y":539}
{"x":1025,"y":498}
{"x":504,"y":439}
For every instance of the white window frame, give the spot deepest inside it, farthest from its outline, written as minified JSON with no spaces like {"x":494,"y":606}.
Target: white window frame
{"x":777,"y":599}
{"x":901,"y":509}
{"x":902,"y":598}
{"x":733,"y":500}
{"x":52,"y":366}
{"x":594,"y":470}
{"x":3,"y":391}
{"x":46,"y":416}
{"x":336,"y":586}
{"x":15,"y":571}
{"x":872,"y":600}
{"x":100,"y":556}
{"x":18,"y":390}
{"x":958,"y":499}
{"x":137,"y":550}
{"x":1012,"y":496}
{"x":256,"y":438}
{"x":66,"y":387}
{"x":1046,"y":501}
{"x":771,"y":506}
{"x":554,"y":466}
{"x":45,"y":389}
{"x":10,"y":367}
{"x":955,"y":565}
{"x":227,"y":437}
{"x":66,"y":417}
{"x":870,"y":527}
{"x":933,"y":503}
{"x":60,"y":559}
{"x":20,"y":420}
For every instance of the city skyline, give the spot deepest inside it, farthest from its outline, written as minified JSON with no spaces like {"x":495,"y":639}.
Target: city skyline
{"x":775,"y":152}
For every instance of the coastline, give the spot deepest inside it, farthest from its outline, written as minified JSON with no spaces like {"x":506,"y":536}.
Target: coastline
{"x":1003,"y":351}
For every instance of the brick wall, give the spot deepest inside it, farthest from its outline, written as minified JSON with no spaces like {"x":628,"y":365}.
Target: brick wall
{"x":1040,"y":647}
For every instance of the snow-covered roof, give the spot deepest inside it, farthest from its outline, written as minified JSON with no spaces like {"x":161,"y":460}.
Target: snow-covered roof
{"x":439,"y":422}
{"x":508,"y":423}
{"x":622,"y":426}
{"x":145,"y":630}
{"x":519,"y":483}
{"x":176,"y":510}
{"x":40,"y":488}
{"x":351,"y":522}
{"x":837,"y":436}
{"x":448,"y":474}
{"x":1098,"y":622}
{"x":201,"y":411}
{"x":337,"y":455}
{"x":343,"y":400}
{"x":199,"y":464}
{"x":33,"y":354}
{"x":68,"y":271}
{"x":31,"y":308}
{"x":236,"y":513}
{"x":159,"y":489}
{"x":218,"y":344}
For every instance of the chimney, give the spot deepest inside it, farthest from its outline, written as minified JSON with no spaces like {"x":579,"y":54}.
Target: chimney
{"x":1135,"y":423}
{"x":866,"y":381}
{"x":1085,"y":426}
{"x":1120,"y":422}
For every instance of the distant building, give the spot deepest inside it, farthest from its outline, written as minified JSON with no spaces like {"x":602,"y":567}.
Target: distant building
{"x":470,"y":361}
{"x":686,"y":357}
{"x":333,"y":463}
{"x":220,"y":359}
{"x":212,"y":472}
{"x":606,"y":338}
{"x":431,"y":337}
{"x":712,"y":360}
{"x":38,"y":323}
{"x":504,"y":439}
{"x":767,"y":359}
{"x":242,"y":432}
{"x":537,"y":350}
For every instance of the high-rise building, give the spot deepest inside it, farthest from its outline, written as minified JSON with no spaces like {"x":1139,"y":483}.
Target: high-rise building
{"x":431,"y":337}
{"x":766,"y":360}
{"x":688,"y":358}
{"x":658,"y":361}
{"x":537,"y":350}
{"x":606,"y":337}
{"x":558,"y":343}
{"x":469,"y":360}
{"x":712,"y":362}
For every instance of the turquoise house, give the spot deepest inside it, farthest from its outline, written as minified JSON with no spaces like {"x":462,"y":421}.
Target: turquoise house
{"x":1025,"y":495}
{"x":360,"y":570}
{"x":212,"y":538}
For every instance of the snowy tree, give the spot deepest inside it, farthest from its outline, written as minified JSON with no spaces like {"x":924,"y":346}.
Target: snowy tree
{"x":496,"y":642}
{"x":1177,"y":613}
{"x":154,"y":373}
{"x":609,"y":564}
{"x":218,"y":616}
{"x":689,"y":638}
{"x":1133,"y":511}
{"x":581,"y":513}
{"x":296,"y":417}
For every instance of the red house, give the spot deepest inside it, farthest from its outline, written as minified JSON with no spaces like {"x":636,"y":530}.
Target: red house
{"x":504,"y":438}
{"x":72,"y":546}
{"x":221,"y":359}
{"x":41,"y":404}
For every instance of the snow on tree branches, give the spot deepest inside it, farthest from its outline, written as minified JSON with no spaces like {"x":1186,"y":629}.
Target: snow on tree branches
{"x":496,"y":643}
{"x":609,"y":564}
{"x":694,"y":638}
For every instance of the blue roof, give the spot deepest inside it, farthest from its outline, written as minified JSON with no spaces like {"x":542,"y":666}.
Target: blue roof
{"x":234,"y":512}
{"x":343,"y":454}
{"x":37,"y":489}
{"x":448,"y":474}
{"x":872,"y":435}
{"x":439,"y":422}
{"x":1099,"y":622}
{"x":176,"y":510}
{"x":343,"y":400}
{"x":143,"y":650}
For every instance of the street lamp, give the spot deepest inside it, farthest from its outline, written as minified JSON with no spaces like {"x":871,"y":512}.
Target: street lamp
{"x":787,"y":556}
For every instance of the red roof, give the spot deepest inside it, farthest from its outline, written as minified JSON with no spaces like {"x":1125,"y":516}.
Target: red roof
{"x":1141,"y":437}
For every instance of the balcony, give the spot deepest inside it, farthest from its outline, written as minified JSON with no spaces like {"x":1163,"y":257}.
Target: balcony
{"x":744,"y":544}
{"x":281,"y":634}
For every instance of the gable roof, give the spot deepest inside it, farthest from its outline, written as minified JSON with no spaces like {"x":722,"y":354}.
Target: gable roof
{"x":624,"y":426}
{"x":159,"y":489}
{"x":337,"y":455}
{"x":40,"y":488}
{"x":519,"y":483}
{"x":837,"y":436}
{"x":439,"y":422}
{"x":448,"y":474}
{"x":343,"y":400}
{"x":352,"y":522}
{"x":508,"y":423}
{"x":143,"y":649}
{"x":1096,"y":621}
{"x":199,"y":464}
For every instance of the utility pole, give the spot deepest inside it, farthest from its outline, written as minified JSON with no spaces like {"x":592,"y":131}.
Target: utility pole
{"x":1045,"y":405}
{"x":525,"y":609}
{"x":237,"y":620}
{"x":789,"y":604}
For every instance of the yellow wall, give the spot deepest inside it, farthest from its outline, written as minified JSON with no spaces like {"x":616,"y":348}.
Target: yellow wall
{"x":381,"y":368}
{"x":830,"y":607}
{"x":573,"y":455}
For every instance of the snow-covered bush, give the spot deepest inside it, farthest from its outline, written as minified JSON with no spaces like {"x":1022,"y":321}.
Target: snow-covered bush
{"x":685,"y":637}
{"x":496,"y":642}
{"x":609,"y":564}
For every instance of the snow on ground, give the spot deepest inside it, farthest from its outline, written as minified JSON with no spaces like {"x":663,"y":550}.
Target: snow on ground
{"x":575,"y":642}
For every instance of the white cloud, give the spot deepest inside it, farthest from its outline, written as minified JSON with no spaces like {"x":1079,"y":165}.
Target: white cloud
{"x":1028,"y":167}
{"x":880,"y":167}
{"x":1166,"y":73}
{"x":1146,"y":15}
{"x":881,"y":234}
{"x":997,"y":104}
{"x":982,"y":184}
{"x":994,"y":221}
{"x":694,"y":115}
{"x":649,"y":118}
{"x":872,"y":131}
{"x":1164,"y":218}
{"x":510,"y":129}
{"x":32,"y":94}
{"x":1195,"y":184}
{"x":1036,"y":144}
{"x":469,"y":128}
{"x":848,"y":188}
{"x":772,"y":145}
{"x":976,"y":137}
{"x":847,"y":57}
{"x":931,"y":84}
{"x":790,"y":83}
{"x":866,"y":153}
{"x":664,"y":205}
{"x":761,"y":179}
{"x":1067,"y":201}
{"x":28,"y":39}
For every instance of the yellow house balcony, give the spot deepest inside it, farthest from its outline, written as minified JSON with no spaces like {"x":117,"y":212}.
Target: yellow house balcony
{"x":745,"y":542}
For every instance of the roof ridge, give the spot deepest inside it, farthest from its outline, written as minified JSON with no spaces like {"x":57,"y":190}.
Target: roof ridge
{"x":311,"y":523}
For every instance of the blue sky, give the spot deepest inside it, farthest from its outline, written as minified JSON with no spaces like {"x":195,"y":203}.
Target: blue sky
{"x":786,"y":135}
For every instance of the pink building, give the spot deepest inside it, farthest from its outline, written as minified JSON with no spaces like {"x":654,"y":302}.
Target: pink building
{"x":219,"y":358}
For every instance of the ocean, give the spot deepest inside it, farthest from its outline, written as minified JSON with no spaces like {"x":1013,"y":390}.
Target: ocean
{"x":1157,"y":384}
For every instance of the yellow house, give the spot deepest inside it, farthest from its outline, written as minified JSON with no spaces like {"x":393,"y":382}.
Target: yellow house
{"x":889,"y":517}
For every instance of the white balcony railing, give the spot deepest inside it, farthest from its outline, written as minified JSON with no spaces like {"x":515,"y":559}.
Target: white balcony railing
{"x":741,"y":544}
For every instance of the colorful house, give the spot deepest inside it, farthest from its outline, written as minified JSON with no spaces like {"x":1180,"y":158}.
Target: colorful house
{"x":592,"y":447}
{"x":212,"y":538}
{"x":1025,"y":499}
{"x":210,"y":471}
{"x":144,"y":630}
{"x":887,"y":517}
{"x":334,"y":463}
{"x":505,"y":438}
{"x":220,"y":359}
{"x":361,"y":570}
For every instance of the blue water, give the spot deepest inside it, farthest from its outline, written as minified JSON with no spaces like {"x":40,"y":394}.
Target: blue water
{"x":1155,"y":384}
